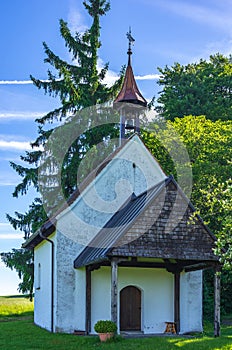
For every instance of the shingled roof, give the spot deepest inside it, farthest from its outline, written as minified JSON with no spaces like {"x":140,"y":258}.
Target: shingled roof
{"x":146,"y":227}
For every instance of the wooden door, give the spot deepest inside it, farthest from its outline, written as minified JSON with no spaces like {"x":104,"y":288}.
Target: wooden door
{"x":130,"y":309}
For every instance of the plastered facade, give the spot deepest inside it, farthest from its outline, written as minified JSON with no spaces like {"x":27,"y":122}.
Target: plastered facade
{"x":132,"y":170}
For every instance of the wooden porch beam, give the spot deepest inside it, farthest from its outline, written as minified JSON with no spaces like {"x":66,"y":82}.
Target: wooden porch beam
{"x":88,"y":301}
{"x":177,"y":266}
{"x":217,"y":297}
{"x":177,"y":301}
{"x":114,"y":291}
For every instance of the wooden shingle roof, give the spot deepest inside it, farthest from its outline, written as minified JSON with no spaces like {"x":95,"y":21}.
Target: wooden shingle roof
{"x":155,"y":224}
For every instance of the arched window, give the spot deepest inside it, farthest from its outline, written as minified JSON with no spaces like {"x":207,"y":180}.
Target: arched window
{"x":38,"y":282}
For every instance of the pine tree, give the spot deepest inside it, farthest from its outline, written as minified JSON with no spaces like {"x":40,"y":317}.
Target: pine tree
{"x":78,"y":85}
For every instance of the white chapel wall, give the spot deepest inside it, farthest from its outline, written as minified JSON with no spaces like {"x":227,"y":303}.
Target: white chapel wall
{"x":156,"y":286}
{"x":43,"y":284}
{"x":110,"y":189}
{"x":78,"y":224}
{"x":191,"y":312}
{"x":67,"y":285}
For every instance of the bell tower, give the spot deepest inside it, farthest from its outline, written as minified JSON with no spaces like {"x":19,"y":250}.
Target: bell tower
{"x":129,"y":102}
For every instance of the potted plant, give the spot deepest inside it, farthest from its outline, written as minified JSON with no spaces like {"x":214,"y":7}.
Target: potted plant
{"x":105,"y":329}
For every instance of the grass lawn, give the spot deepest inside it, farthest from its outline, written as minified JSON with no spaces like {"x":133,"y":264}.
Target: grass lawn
{"x":17,"y":332}
{"x":15,"y":306}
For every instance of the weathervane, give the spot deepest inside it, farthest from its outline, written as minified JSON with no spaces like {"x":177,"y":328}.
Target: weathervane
{"x":129,"y":37}
{"x":131,"y":41}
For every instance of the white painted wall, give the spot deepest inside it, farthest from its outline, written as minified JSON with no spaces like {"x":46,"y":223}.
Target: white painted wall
{"x":67,"y":289}
{"x":157,"y":295}
{"x":191,"y":312}
{"x":80,"y":299}
{"x":78,"y":224}
{"x":157,"y":287}
{"x":42,"y":300}
{"x":100,"y":295}
{"x":110,"y":189}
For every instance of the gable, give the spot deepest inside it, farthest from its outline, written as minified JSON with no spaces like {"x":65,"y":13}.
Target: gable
{"x":130,"y":169}
{"x":155,"y":224}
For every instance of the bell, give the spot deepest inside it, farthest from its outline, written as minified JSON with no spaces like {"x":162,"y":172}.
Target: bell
{"x":129,"y":124}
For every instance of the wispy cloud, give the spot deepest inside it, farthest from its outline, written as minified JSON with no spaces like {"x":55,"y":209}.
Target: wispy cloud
{"x":14,"y":145}
{"x":75,"y":19}
{"x":15,"y":82}
{"x":21,"y":82}
{"x":10,"y":236}
{"x":215,"y":16}
{"x":8,"y":182}
{"x":210,"y":49}
{"x":112,"y":76}
{"x":27,"y":115}
{"x":7,"y":232}
{"x":148,"y":77}
{"x":8,"y":178}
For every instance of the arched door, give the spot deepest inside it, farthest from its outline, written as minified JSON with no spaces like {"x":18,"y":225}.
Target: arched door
{"x":130,"y":309}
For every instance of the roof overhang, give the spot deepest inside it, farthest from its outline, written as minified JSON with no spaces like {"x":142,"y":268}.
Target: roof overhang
{"x":45,"y":231}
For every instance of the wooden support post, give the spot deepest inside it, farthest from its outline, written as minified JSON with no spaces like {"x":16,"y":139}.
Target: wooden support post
{"x":217,"y":297}
{"x":137,"y":124}
{"x":122,"y":129}
{"x":114,"y":291}
{"x":177,"y":301}
{"x":88,"y":301}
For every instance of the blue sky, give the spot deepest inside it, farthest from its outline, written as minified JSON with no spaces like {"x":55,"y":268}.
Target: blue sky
{"x":166,"y":31}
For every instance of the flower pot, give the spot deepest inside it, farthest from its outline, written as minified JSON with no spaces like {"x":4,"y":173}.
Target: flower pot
{"x":105,"y":336}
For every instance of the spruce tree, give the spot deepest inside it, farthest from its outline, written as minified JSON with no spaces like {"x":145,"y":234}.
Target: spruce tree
{"x":78,"y":85}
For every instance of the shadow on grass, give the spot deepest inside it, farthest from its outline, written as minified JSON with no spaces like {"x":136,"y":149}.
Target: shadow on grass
{"x":27,"y":315}
{"x":23,"y":296}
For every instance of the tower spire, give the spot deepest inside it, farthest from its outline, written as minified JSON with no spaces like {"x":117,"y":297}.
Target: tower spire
{"x":130,"y":92}
{"x":130,"y":102}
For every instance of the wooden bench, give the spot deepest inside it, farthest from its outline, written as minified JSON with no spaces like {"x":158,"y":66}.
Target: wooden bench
{"x":170,"y":327}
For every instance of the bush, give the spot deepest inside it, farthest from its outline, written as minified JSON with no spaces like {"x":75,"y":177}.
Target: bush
{"x":105,"y":326}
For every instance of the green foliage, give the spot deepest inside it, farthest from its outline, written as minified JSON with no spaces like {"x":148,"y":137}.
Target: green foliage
{"x":31,"y":220}
{"x":21,"y":260}
{"x":77,"y":84}
{"x":209,"y":145}
{"x":218,"y":203}
{"x":226,"y":294}
{"x":154,"y":142}
{"x":202,"y":88}
{"x":105,"y":326}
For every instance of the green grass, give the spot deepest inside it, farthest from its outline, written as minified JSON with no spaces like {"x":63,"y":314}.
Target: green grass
{"x":15,"y":306}
{"x":17,"y":332}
